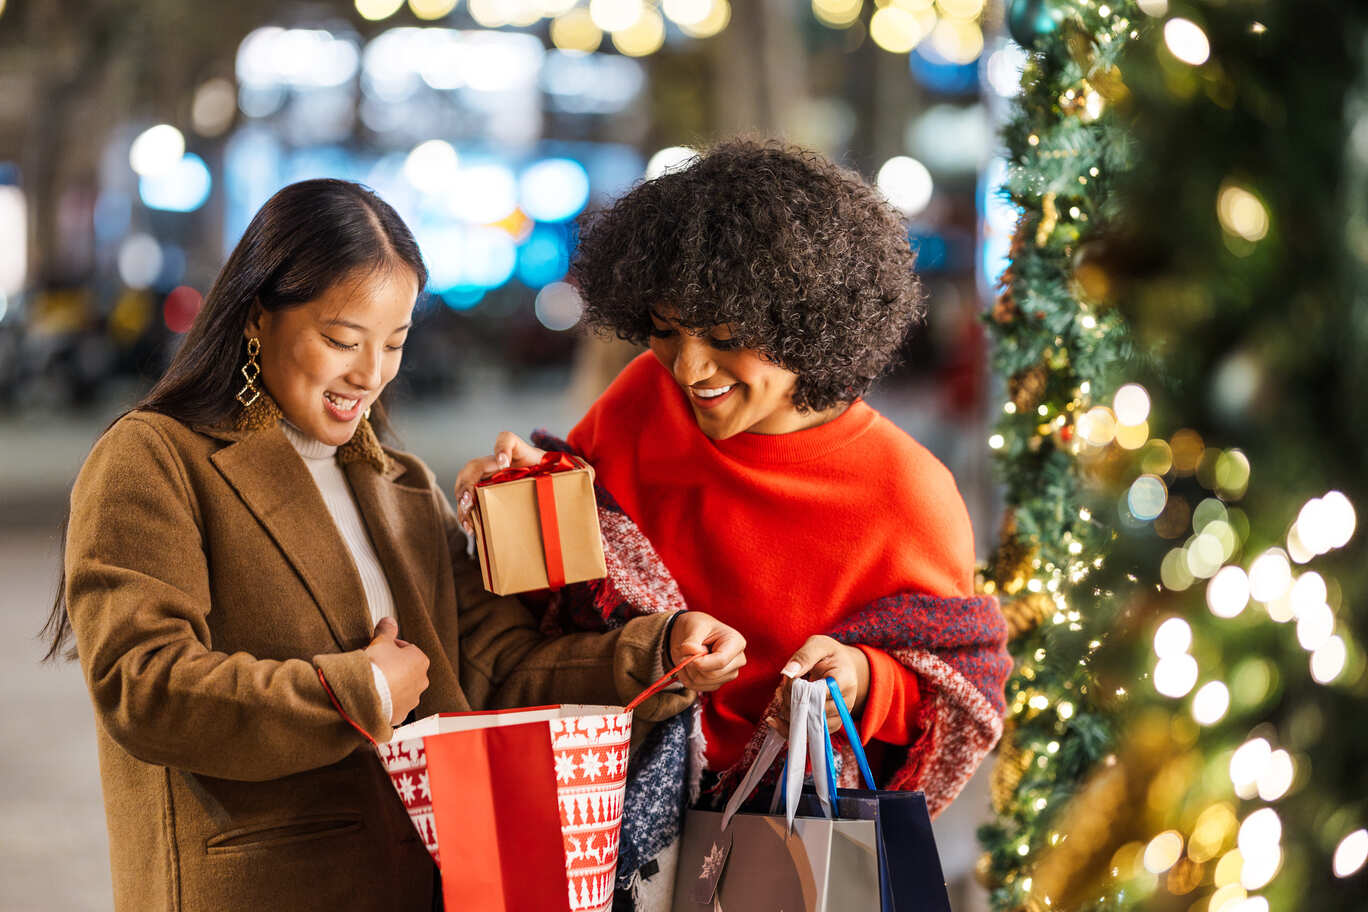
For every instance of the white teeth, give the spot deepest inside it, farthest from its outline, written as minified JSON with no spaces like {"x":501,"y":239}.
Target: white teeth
{"x":712,"y":393}
{"x":345,"y":405}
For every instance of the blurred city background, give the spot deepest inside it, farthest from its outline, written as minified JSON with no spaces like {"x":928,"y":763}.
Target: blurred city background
{"x":138,"y":138}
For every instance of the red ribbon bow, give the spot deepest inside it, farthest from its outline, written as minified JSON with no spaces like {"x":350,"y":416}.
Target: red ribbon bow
{"x":550,"y":464}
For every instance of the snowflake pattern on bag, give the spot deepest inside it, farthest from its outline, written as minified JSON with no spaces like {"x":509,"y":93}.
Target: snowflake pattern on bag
{"x":591,"y":777}
{"x":406,"y":762}
{"x":590,"y":754}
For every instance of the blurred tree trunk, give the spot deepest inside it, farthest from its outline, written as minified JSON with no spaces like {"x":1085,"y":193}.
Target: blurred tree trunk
{"x":759,"y":68}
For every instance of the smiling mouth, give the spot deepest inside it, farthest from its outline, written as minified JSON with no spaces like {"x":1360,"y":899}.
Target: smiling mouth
{"x":343,"y":405}
{"x":710,"y":397}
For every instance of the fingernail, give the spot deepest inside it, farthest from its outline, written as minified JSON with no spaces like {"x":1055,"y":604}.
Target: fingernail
{"x":503,"y":460}
{"x":469,"y":530}
{"x":465,"y":499}
{"x":790,"y":670}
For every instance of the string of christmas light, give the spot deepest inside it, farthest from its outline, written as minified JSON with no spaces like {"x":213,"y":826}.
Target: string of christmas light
{"x":1225,"y":607}
{"x":1057,"y":346}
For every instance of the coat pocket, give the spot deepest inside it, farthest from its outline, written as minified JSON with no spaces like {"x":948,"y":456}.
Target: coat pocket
{"x":276,"y":833}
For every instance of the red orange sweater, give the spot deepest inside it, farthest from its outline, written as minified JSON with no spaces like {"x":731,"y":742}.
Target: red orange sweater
{"x":782,"y":536}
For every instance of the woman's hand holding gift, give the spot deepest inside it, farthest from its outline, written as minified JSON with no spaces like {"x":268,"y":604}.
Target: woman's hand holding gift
{"x":721,"y":650}
{"x":822,"y":657}
{"x":510,"y":451}
{"x":404,"y":666}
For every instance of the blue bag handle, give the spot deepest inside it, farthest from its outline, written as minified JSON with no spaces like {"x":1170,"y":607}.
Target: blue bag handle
{"x":852,"y":735}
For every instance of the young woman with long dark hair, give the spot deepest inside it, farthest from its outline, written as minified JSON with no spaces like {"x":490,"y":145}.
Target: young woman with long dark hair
{"x":241,"y":541}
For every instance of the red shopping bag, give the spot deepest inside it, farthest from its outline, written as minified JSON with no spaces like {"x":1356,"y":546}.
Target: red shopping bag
{"x":521,"y":809}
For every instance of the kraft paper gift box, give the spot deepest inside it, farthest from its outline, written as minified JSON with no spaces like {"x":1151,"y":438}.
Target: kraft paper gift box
{"x":537,"y":527}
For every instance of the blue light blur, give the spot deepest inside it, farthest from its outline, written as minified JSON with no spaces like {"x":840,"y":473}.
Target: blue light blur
{"x":463,"y":297}
{"x":544,"y":257}
{"x":459,"y":257}
{"x":935,"y":72}
{"x":933,"y":254}
{"x":997,"y":220}
{"x":183,"y":188}
{"x":491,"y":257}
{"x":553,"y":190}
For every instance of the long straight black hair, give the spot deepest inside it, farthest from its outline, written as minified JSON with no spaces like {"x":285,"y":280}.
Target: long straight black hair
{"x":307,"y":237}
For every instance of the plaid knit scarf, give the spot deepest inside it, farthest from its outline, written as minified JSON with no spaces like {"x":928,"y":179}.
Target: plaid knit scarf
{"x":955,"y":646}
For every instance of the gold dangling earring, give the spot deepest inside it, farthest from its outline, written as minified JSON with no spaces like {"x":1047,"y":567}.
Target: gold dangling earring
{"x":249,"y":392}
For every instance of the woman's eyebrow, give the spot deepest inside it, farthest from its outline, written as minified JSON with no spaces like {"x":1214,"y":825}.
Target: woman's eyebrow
{"x":347,"y":324}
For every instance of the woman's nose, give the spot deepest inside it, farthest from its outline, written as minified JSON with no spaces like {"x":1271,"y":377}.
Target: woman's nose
{"x":367,"y":370}
{"x":692,"y":361}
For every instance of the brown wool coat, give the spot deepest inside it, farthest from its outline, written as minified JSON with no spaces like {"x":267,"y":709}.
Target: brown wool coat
{"x":207,"y":584}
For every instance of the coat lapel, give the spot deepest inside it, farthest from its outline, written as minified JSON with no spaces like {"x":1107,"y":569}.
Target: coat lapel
{"x":276,"y":486}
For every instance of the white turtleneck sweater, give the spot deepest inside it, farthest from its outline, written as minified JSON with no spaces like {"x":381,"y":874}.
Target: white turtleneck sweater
{"x":321,"y":461}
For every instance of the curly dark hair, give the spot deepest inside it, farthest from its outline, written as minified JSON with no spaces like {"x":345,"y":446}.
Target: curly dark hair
{"x":802,"y":259}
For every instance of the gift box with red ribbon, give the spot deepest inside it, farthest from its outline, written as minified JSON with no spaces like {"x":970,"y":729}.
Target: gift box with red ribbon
{"x":536,"y":527}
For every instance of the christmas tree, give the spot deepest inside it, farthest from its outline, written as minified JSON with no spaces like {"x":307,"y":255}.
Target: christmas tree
{"x":1182,"y":331}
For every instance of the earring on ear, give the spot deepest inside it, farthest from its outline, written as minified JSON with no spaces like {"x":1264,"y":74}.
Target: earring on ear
{"x":249,"y":392}
{"x":366,"y":415}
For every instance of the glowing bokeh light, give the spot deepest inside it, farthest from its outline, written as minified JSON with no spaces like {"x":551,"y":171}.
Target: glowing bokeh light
{"x":1187,"y":41}
{"x":156,"y":150}
{"x":558,"y":306}
{"x":183,"y":188}
{"x":1270,"y":576}
{"x":1163,"y":851}
{"x":1315,"y":626}
{"x":1174,"y":572}
{"x":905,"y":182}
{"x":1277,"y":776}
{"x":1176,"y":675}
{"x":615,"y":15}
{"x":961,"y":9}
{"x":1173,"y":638}
{"x":1205,"y":556}
{"x":1248,"y":764}
{"x":896,"y":30}
{"x":1147,"y":497}
{"x":214,"y":107}
{"x":690,"y":12}
{"x":957,"y":40}
{"x":553,"y":190}
{"x":140,"y":260}
{"x":837,"y":13}
{"x":1328,"y":661}
{"x":432,"y":166}
{"x":1098,"y":426}
{"x":483,"y":194}
{"x":643,"y":37}
{"x":1351,"y":853}
{"x":576,"y":31}
{"x":1131,"y":404}
{"x":1210,"y":703}
{"x":719,"y":15}
{"x":14,"y":243}
{"x":1228,"y":592}
{"x":431,"y":9}
{"x":375,"y":10}
{"x":1241,"y":213}
{"x":671,"y":158}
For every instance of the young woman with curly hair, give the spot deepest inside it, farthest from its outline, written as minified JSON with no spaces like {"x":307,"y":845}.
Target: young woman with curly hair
{"x":773,"y":287}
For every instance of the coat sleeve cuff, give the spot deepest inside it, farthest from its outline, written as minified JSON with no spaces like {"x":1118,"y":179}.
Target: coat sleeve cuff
{"x":383,"y":690}
{"x":353,"y":683}
{"x":639,"y":663}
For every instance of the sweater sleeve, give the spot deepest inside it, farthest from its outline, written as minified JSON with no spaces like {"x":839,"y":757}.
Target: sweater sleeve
{"x":891,"y":706}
